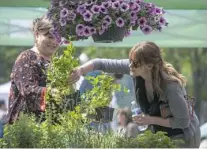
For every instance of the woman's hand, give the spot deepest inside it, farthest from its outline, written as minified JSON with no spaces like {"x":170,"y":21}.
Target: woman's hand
{"x":143,"y":119}
{"x":75,"y":76}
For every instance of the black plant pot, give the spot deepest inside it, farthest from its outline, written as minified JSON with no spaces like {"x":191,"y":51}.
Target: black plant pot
{"x":104,"y":114}
{"x":113,"y":34}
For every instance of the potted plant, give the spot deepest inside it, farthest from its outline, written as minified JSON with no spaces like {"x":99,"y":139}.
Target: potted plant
{"x":97,"y":99}
{"x":104,"y":20}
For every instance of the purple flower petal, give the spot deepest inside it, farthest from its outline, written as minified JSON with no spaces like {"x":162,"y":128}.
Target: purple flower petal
{"x":115,"y":5}
{"x":95,"y":9}
{"x":158,"y":11}
{"x":64,"y":13}
{"x":132,"y":23}
{"x":81,"y":33}
{"x":149,"y":5}
{"x":120,"y":22}
{"x":108,"y":19}
{"x":63,"y":21}
{"x":133,"y":14}
{"x":87,"y":16}
{"x":162,"y":21}
{"x":142,"y":21}
{"x":93,"y":30}
{"x":87,"y":31}
{"x":135,"y":7}
{"x":81,"y":9}
{"x":79,"y":28}
{"x":105,"y":25}
{"x":103,"y":10}
{"x":124,"y":7}
{"x":106,"y":4}
{"x":146,"y":29}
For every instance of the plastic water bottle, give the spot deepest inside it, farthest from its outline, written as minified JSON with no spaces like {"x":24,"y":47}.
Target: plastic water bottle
{"x":136,"y":110}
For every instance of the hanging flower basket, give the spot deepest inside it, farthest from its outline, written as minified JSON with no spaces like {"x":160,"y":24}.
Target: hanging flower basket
{"x":113,"y":34}
{"x":104,"y":20}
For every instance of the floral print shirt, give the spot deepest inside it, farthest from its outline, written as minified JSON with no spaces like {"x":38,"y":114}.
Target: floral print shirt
{"x":28,"y":85}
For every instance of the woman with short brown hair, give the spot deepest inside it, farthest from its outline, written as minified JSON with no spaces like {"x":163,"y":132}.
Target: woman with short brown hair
{"x":28,"y":78}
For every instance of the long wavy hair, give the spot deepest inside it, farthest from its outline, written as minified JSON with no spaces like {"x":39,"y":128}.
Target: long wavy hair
{"x":162,"y":72}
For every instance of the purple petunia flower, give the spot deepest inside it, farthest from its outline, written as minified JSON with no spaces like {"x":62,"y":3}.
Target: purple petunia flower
{"x":71,"y":15}
{"x":113,"y":1}
{"x":162,"y":21}
{"x":142,"y":21}
{"x":81,"y":9}
{"x":135,"y":7}
{"x":95,"y":9}
{"x":132,"y":22}
{"x":106,"y":4}
{"x":133,"y":14}
{"x":124,"y":7}
{"x":101,"y":31}
{"x":105,"y":24}
{"x":103,"y":10}
{"x":93,"y":30}
{"x":149,"y":5}
{"x":158,"y":11}
{"x":79,"y":28}
{"x":64,"y":13}
{"x":108,"y":19}
{"x":80,"y":33}
{"x":87,"y":31}
{"x":120,"y":22}
{"x":87,"y":16}
{"x":115,"y":5}
{"x":146,"y":29}
{"x":62,"y":21}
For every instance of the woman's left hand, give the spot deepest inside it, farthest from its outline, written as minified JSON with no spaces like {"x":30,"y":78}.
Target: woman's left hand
{"x":143,"y":119}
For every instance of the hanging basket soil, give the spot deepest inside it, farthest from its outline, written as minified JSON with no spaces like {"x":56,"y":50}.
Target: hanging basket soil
{"x":113,"y":34}
{"x":104,"y":113}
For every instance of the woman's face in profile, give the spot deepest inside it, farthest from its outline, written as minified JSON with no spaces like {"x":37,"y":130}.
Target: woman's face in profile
{"x":137,"y":69}
{"x":46,"y":43}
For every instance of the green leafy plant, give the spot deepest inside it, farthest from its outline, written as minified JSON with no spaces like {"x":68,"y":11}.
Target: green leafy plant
{"x":58,"y":73}
{"x":101,"y":93}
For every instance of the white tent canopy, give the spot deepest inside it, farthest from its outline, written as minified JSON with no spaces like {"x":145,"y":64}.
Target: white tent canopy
{"x":187,"y":28}
{"x":4,"y":92}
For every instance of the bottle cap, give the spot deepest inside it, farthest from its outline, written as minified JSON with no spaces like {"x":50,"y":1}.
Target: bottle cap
{"x":133,"y":102}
